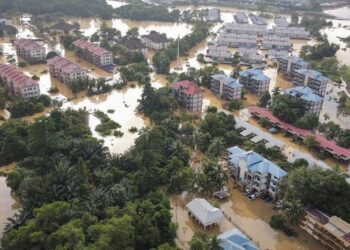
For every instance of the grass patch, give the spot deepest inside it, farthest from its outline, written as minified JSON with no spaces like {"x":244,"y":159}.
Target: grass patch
{"x":344,"y":103}
{"x":107,"y":126}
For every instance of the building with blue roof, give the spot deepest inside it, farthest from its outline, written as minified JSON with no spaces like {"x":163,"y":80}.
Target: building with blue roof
{"x":313,"y":102}
{"x":288,"y":64}
{"x":236,"y":240}
{"x":226,"y":87}
{"x":253,"y":171}
{"x":254,"y":80}
{"x":311,"y":78}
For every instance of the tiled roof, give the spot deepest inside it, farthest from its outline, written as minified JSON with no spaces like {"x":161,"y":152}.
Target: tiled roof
{"x":304,"y":93}
{"x":231,"y":82}
{"x":189,"y":87}
{"x":64,"y":64}
{"x":18,"y":78}
{"x":156,"y":37}
{"x":27,"y":44}
{"x":132,"y":43}
{"x":92,"y":48}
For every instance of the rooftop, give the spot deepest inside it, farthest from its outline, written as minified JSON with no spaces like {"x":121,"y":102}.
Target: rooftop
{"x":255,"y":74}
{"x":236,"y":240}
{"x":156,"y":37}
{"x":313,"y":73}
{"x":93,"y":48}
{"x":204,"y":211}
{"x":189,"y":87}
{"x":229,"y":81}
{"x":132,"y":43}
{"x":304,"y":93}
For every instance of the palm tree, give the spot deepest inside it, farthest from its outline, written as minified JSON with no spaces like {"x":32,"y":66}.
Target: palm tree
{"x":216,"y":147}
{"x":292,"y":210}
{"x":276,"y":91}
{"x":214,"y":243}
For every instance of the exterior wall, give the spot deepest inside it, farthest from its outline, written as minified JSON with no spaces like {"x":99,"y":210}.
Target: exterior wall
{"x":319,"y":87}
{"x":224,"y":91}
{"x":287,"y":68}
{"x":37,"y":54}
{"x":192,"y":103}
{"x":256,"y":87}
{"x":29,"y":92}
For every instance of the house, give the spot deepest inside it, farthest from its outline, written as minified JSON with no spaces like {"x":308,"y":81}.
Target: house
{"x":254,"y":80}
{"x":133,"y":44}
{"x":204,"y":213}
{"x":234,"y":40}
{"x":213,"y":15}
{"x":96,"y":55}
{"x":241,"y":17}
{"x":252,"y":171}
{"x":188,"y":94}
{"x":276,"y":42}
{"x":313,"y":103}
{"x":292,"y":32}
{"x":331,"y":231}
{"x":62,"y":27}
{"x":288,"y":64}
{"x":30,"y":50}
{"x":235,"y":240}
{"x":226,"y":87}
{"x":18,"y":83}
{"x":219,"y":53}
{"x":312,"y":79}
{"x":155,"y":40}
{"x":65,"y":70}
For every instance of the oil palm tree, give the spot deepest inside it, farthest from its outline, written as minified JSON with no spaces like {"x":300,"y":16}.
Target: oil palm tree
{"x":292,"y":211}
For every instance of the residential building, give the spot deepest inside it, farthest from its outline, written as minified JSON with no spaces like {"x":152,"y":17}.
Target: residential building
{"x":30,"y":50}
{"x":133,"y":44}
{"x":219,"y":53}
{"x":18,"y":83}
{"x":254,"y":80}
{"x":241,"y":17}
{"x":252,"y":171}
{"x":155,"y":40}
{"x":226,"y":87}
{"x":276,"y":42}
{"x":288,"y":64}
{"x":235,"y":240}
{"x":65,"y":70}
{"x":275,"y":54}
{"x":96,"y":55}
{"x":313,"y":103}
{"x":281,"y":21}
{"x":331,"y":231}
{"x":292,"y":32}
{"x":62,"y":27}
{"x":204,"y":213}
{"x":188,"y":94}
{"x":258,"y":20}
{"x":311,"y":78}
{"x":234,"y":40}
{"x":250,"y":56}
{"x":242,"y":28}
{"x":213,"y":15}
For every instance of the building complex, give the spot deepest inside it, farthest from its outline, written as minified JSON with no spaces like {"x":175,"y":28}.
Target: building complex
{"x":30,"y":50}
{"x":189,"y":95}
{"x":254,"y":80}
{"x":288,"y":64}
{"x":226,"y":87}
{"x":17,"y":83}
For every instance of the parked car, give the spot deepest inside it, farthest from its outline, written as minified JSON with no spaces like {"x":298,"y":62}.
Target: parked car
{"x":253,"y":196}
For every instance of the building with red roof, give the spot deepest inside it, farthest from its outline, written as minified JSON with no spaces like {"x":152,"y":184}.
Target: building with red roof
{"x":188,"y":94}
{"x":18,"y":83}
{"x":30,"y":50}
{"x":65,"y":70}
{"x":329,"y":146}
{"x":96,"y":55}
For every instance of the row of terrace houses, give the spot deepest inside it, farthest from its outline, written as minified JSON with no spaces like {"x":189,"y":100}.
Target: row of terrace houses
{"x":291,"y":32}
{"x":30,"y":50}
{"x":276,"y":42}
{"x":18,"y":83}
{"x":219,"y":53}
{"x":250,"y":29}
{"x":312,"y":102}
{"x":254,"y":172}
{"x":226,"y":87}
{"x":254,"y":80}
{"x":250,"y":55}
{"x":234,"y":40}
{"x":258,"y":20}
{"x":96,"y":55}
{"x":65,"y":70}
{"x":241,"y":17}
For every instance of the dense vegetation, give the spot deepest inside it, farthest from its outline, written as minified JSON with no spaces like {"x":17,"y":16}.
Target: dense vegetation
{"x":22,"y":108}
{"x":314,"y":25}
{"x":107,"y":126}
{"x":319,"y":51}
{"x":135,"y":72}
{"x":83,"y":8}
{"x":346,"y":40}
{"x":162,"y":59}
{"x":141,"y":11}
{"x":335,"y":132}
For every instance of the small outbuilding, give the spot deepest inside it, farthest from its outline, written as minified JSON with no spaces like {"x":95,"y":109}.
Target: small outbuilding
{"x":204,"y":213}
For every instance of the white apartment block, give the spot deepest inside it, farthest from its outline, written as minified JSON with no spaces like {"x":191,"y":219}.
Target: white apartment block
{"x":292,"y":32}
{"x":288,"y":64}
{"x":276,"y":42}
{"x":250,"y":55}
{"x":65,"y":70}
{"x":254,"y":80}
{"x":155,"y":40}
{"x":234,"y":40}
{"x":241,"y":17}
{"x":226,"y":87}
{"x":30,"y":50}
{"x":94,"y":54}
{"x":254,"y":172}
{"x":250,"y":29}
{"x":219,"y":53}
{"x":312,"y":79}
{"x":18,"y":83}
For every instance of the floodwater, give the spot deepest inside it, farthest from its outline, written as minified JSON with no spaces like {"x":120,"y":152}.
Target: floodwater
{"x":341,"y":13}
{"x":8,"y":204}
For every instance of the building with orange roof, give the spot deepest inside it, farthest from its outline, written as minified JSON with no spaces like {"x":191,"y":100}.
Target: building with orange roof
{"x":65,"y":70}
{"x":189,"y":94}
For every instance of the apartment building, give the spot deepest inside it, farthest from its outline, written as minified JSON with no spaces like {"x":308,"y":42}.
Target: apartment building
{"x":17,"y":83}
{"x":65,"y":70}
{"x":313,"y":103}
{"x":213,"y":15}
{"x":250,"y":56}
{"x":30,"y":50}
{"x":281,"y":21}
{"x":312,"y":79}
{"x":250,"y":29}
{"x":276,"y":42}
{"x":188,"y":94}
{"x":133,"y":44}
{"x":96,"y":55}
{"x":288,"y":64}
{"x":258,"y":20}
{"x":155,"y":40}
{"x":234,"y":40}
{"x":292,"y":32}
{"x":254,"y":80}
{"x":274,"y":53}
{"x":331,"y":231}
{"x":226,"y":87}
{"x":252,"y":171}
{"x":219,"y":53}
{"x":241,"y":17}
